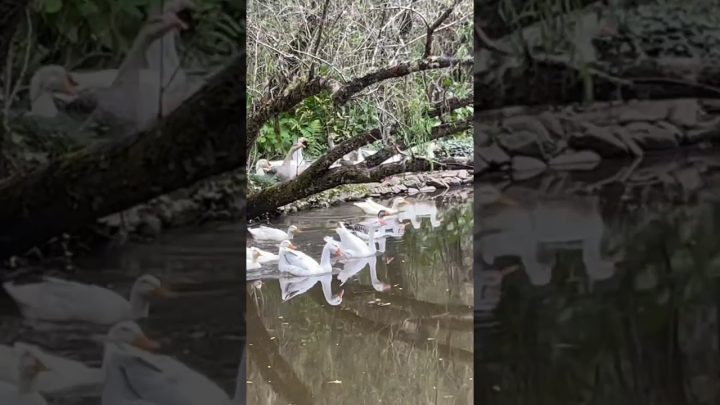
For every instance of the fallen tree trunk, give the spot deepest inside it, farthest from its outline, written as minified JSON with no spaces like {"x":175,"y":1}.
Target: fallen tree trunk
{"x":203,"y":137}
{"x":318,"y":177}
{"x":505,"y":81}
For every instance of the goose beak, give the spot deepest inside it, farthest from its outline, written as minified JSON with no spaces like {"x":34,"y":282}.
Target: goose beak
{"x":292,"y":246}
{"x":386,"y":287}
{"x":39,"y":366}
{"x":162,"y":292}
{"x":71,"y":86}
{"x":341,"y":293}
{"x":339,"y":252}
{"x":142,"y":342}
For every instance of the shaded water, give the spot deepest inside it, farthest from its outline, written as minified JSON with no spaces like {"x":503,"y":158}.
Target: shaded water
{"x":601,"y":299}
{"x":400,"y":336}
{"x":201,"y":327}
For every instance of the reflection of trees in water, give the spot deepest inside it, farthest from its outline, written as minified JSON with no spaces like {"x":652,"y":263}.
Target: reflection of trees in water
{"x":648,"y":335}
{"x":391,"y":346}
{"x":446,"y":247}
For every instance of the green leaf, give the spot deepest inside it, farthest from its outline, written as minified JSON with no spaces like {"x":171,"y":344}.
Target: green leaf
{"x":52,"y":6}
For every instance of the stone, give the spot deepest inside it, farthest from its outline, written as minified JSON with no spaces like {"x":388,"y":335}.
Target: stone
{"x":453,"y":181}
{"x":493,"y":154}
{"x":677,"y":132}
{"x":685,"y":113}
{"x":643,"y":111}
{"x":695,"y":136}
{"x":528,"y":164}
{"x":521,"y":142}
{"x":552,"y":124}
{"x":413,"y":191}
{"x":184,"y":211}
{"x":149,"y":225}
{"x":651,"y":137}
{"x":598,"y":139}
{"x":528,"y":124}
{"x":437,"y":183}
{"x":428,"y":189}
{"x":581,"y":160}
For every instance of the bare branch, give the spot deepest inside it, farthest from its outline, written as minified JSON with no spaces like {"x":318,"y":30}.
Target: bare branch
{"x":450,"y":105}
{"x":431,"y":29}
{"x":402,"y":69}
{"x":319,"y":38}
{"x":11,"y":12}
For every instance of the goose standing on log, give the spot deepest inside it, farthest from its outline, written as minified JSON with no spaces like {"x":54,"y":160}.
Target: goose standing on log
{"x":129,"y":100}
{"x":162,"y":61}
{"x":46,"y":81}
{"x":294,"y":162}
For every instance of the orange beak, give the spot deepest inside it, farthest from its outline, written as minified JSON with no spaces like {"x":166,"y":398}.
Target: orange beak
{"x":292,"y":246}
{"x":341,"y":293}
{"x":39,"y":366}
{"x":144,"y":343}
{"x":339,"y":252}
{"x":162,"y":292}
{"x":71,"y":86}
{"x":387,"y":287}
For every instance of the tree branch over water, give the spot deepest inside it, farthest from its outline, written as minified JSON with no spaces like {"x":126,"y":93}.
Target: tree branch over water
{"x":194,"y":142}
{"x":318,"y":177}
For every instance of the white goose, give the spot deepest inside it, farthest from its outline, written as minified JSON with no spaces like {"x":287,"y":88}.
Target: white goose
{"x":63,"y":374}
{"x":262,"y":167}
{"x":372,"y":208}
{"x":25,"y":392}
{"x":299,"y":264}
{"x":55,"y":299}
{"x":353,"y":246}
{"x":263,"y":255}
{"x":251,"y":259}
{"x":266,"y":233}
{"x":416,"y":210}
{"x":291,"y":287}
{"x":138,"y":377}
{"x":294,"y":162}
{"x":46,"y":81}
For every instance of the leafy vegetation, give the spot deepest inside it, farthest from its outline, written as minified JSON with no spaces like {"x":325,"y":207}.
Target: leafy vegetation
{"x":357,"y":38}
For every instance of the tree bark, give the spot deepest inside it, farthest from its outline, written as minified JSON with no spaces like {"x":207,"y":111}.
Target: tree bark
{"x":203,"y":137}
{"x":318,"y":177}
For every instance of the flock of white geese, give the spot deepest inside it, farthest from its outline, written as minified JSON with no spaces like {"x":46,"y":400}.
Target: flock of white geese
{"x":148,"y":84}
{"x":358,"y":246}
{"x":295,"y":162}
{"x":132,"y":372}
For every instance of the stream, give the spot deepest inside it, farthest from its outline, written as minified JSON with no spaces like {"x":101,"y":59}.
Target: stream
{"x":599,"y":298}
{"x":403,"y":332}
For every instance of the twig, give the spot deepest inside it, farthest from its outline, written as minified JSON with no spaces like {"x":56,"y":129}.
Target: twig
{"x":431,"y":29}
{"x":319,"y":38}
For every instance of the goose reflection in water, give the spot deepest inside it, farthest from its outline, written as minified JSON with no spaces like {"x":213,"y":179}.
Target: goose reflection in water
{"x":354,"y":266}
{"x":534,"y":231}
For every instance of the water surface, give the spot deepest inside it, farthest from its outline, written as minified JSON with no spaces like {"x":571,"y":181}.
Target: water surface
{"x":401,"y":336}
{"x":602,"y":298}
